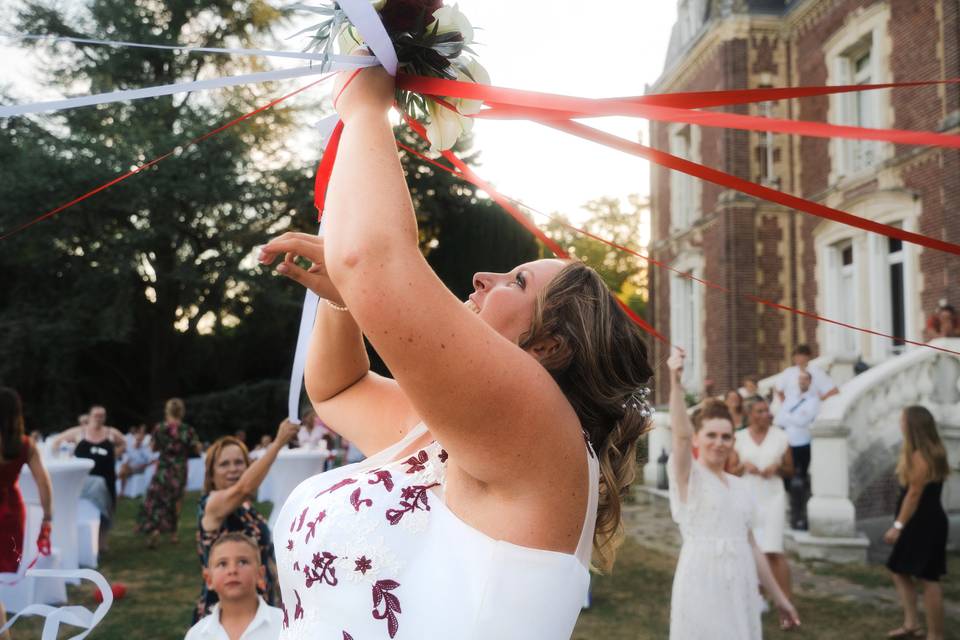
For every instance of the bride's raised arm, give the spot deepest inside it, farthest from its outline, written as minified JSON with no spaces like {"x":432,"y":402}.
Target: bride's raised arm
{"x":488,"y":401}
{"x":682,"y":430}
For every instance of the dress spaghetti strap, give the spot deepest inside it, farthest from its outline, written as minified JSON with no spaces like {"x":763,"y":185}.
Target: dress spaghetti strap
{"x":584,"y":551}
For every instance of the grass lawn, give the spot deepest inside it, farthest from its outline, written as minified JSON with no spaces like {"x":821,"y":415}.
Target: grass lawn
{"x":634,"y":604}
{"x":162,"y":584}
{"x":631,"y":604}
{"x":875,"y":575}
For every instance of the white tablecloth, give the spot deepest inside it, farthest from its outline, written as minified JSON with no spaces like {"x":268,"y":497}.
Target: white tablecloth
{"x":67,"y":477}
{"x":291,"y":467}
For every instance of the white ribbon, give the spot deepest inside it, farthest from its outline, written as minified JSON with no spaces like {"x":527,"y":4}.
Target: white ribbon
{"x":360,"y":12}
{"x":180,"y":87}
{"x":367,"y":21}
{"x":270,"y":53}
{"x":72,"y":615}
{"x":309,"y":314}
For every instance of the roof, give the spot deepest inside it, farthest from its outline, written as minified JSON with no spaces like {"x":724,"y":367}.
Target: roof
{"x":705,"y":11}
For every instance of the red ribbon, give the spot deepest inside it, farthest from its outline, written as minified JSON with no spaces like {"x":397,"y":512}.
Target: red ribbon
{"x":750,"y":188}
{"x":158,"y":159}
{"x":551,"y":109}
{"x":750,"y":297}
{"x":738,"y":121}
{"x":465,"y":172}
{"x":325,"y":168}
{"x":684,"y":100}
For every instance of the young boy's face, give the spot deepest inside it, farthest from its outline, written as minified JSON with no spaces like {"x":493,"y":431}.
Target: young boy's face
{"x":234,"y":571}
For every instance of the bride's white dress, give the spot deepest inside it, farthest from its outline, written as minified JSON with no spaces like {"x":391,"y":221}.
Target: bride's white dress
{"x":371,"y":551}
{"x":715,"y":584}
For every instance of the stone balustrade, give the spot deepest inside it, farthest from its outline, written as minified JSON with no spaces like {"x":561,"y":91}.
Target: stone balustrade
{"x":856,"y":441}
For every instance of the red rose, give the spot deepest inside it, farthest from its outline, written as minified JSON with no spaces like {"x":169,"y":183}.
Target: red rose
{"x":402,"y":15}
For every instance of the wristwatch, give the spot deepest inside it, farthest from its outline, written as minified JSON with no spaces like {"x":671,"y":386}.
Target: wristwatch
{"x":898,"y":525}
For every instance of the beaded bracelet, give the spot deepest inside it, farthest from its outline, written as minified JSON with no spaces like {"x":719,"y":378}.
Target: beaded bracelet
{"x":335,"y":306}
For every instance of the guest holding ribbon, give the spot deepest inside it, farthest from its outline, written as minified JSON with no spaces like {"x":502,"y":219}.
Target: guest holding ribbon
{"x":720,"y":564}
{"x":16,"y":450}
{"x":500,"y":451}
{"x":175,"y":441}
{"x":229,"y":485}
{"x":919,"y":533}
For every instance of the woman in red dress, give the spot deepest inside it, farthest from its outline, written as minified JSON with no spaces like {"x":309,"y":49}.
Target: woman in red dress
{"x":16,"y":449}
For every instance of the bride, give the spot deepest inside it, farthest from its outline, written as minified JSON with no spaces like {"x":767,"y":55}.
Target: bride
{"x":715,"y":585}
{"x":477,"y":512}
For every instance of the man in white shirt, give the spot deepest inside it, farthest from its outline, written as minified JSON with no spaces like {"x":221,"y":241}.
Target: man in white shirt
{"x":233,"y":570}
{"x":788,"y":383}
{"x":796,"y":417}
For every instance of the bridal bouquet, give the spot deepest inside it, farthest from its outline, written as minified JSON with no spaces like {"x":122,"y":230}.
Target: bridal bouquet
{"x":430,"y":39}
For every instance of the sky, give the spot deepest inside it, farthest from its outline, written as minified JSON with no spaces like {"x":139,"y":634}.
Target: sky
{"x":598,"y":49}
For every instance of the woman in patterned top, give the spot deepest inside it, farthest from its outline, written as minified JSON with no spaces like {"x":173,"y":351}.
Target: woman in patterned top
{"x":174,"y":440}
{"x":227,"y":506}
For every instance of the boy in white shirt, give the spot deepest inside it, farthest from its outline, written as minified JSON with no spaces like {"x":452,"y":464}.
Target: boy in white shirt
{"x":233,"y":571}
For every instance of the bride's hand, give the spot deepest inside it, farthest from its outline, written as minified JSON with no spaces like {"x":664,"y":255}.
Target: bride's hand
{"x":293,"y":245}
{"x":368,"y":90}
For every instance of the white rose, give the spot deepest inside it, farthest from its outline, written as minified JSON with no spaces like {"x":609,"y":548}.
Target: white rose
{"x":444,"y":128}
{"x":480,"y":76}
{"x":451,"y":19}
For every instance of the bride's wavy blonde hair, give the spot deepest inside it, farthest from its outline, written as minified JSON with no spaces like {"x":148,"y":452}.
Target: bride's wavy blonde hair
{"x":601,"y":361}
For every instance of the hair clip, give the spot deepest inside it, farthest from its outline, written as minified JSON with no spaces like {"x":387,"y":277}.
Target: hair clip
{"x":637,"y":401}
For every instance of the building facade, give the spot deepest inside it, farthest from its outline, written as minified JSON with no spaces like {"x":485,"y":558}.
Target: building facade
{"x":751,"y":247}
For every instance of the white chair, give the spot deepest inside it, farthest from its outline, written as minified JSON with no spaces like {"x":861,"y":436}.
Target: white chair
{"x":136,"y":484}
{"x":29,"y":591}
{"x":88,"y":534}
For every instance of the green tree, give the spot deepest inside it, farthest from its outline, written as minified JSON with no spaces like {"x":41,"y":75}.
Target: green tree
{"x":147,"y":290}
{"x":112,"y":294}
{"x":624,"y":273}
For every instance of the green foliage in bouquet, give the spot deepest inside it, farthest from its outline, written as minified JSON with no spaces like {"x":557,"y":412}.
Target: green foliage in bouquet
{"x":422,"y":47}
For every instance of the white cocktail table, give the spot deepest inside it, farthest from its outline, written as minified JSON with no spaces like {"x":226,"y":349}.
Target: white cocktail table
{"x":291,"y":467}
{"x":66,"y":476}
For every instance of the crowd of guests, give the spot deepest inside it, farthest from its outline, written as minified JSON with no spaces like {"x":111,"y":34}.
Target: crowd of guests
{"x":750,"y":451}
{"x":733,"y":465}
{"x":232,"y":475}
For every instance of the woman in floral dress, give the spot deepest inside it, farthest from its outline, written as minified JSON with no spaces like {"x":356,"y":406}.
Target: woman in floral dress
{"x":175,"y":441}
{"x":226,"y":506}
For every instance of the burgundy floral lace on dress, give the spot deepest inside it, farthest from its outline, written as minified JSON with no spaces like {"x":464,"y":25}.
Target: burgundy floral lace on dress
{"x":371,"y":551}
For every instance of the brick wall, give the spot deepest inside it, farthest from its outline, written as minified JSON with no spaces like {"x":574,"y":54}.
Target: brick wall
{"x":746,"y":246}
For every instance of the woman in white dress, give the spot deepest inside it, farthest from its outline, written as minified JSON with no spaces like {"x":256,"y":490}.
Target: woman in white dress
{"x":488,"y":535}
{"x":715,"y":584}
{"x":766,"y":460}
